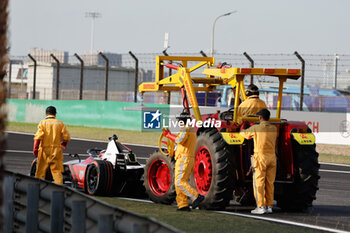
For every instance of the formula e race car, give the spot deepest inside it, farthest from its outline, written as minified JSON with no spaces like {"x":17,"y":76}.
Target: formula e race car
{"x":111,"y":171}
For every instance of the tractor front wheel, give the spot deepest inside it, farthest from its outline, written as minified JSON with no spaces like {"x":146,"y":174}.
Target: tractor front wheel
{"x":212,"y":174}
{"x":159,"y":178}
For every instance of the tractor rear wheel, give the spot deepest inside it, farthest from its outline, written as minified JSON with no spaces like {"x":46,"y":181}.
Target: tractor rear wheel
{"x":99,"y":178}
{"x":213,"y":174}
{"x":159,"y":178}
{"x":300,"y":195}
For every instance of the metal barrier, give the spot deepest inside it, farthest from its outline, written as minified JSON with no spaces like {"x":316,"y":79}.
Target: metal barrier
{"x":33,"y":205}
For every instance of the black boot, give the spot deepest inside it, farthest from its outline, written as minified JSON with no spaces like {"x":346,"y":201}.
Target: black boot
{"x":196,"y":202}
{"x":186,"y":208}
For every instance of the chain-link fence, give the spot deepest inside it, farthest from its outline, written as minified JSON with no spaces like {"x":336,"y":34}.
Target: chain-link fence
{"x":88,"y":76}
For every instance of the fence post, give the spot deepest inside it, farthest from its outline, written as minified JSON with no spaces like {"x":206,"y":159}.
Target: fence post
{"x":336,"y":58}
{"x":206,"y":93}
{"x":203,"y":53}
{"x":140,"y":228}
{"x":81,"y":76}
{"x":106,"y":77}
{"x":32,"y":207}
{"x":136,"y":74}
{"x":34,"y":74}
{"x":57,"y":208}
{"x":8,"y":206}
{"x":9,"y":82}
{"x":251,"y":65}
{"x":170,"y":73}
{"x":78,"y":216}
{"x":302,"y":80}
{"x":105,"y":223}
{"x":57,"y":75}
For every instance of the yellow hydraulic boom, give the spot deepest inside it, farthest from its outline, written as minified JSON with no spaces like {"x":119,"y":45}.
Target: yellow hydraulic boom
{"x":214,"y":77}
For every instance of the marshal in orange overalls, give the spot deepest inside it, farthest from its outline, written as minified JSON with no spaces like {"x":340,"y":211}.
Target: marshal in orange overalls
{"x":50,"y":133}
{"x":264,"y":161}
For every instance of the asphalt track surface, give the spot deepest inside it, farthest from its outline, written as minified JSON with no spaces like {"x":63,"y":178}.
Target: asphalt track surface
{"x":331,"y":209}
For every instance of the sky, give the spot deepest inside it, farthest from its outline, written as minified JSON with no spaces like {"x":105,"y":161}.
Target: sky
{"x":259,"y":26}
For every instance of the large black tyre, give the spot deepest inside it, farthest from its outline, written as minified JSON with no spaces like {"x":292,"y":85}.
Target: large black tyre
{"x":159,"y":177}
{"x":99,"y":178}
{"x":48,"y":176}
{"x":300,"y":195}
{"x":213,"y":172}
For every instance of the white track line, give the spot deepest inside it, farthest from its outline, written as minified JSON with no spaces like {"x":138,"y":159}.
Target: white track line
{"x":335,"y":164}
{"x":131,"y":144}
{"x":145,"y":158}
{"x":283,"y":222}
{"x":280,"y":221}
{"x":334,"y":171}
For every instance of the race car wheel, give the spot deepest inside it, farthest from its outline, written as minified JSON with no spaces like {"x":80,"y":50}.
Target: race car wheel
{"x":159,"y":178}
{"x":99,"y":178}
{"x":300,"y":195}
{"x":212,"y":174}
{"x":48,"y":176}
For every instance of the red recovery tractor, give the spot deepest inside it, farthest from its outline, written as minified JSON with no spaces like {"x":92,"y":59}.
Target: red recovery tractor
{"x":222,"y":155}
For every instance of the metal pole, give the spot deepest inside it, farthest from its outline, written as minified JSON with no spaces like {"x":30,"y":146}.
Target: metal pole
{"x":170,"y":73}
{"x":213,"y":30}
{"x":32,"y":208}
{"x":57,"y":212}
{"x":57,"y":75}
{"x":302,"y":80}
{"x":251,"y":65}
{"x":34,"y":75}
{"x":105,"y":223}
{"x":9,"y":84}
{"x":335,"y":70}
{"x":81,"y":76}
{"x":106,"y":78}
{"x":140,"y":228}
{"x":8,"y":204}
{"x":206,"y":93}
{"x":136,"y":74}
{"x":93,"y":16}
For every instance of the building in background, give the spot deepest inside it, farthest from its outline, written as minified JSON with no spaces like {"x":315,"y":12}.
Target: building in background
{"x":95,"y":59}
{"x":42,"y":55}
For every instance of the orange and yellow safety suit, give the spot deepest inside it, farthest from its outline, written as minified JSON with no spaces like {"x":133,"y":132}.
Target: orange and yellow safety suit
{"x":185,"y":158}
{"x":50,"y":133}
{"x":264,"y":161}
{"x":251,"y":106}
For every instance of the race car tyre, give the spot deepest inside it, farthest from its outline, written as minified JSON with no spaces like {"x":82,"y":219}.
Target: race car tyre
{"x":99,"y":178}
{"x":213,"y":172}
{"x":300,"y":195}
{"x":159,"y":178}
{"x":48,"y":176}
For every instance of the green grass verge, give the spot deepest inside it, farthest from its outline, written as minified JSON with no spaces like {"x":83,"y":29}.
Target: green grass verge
{"x":126,"y":136}
{"x":200,"y":220}
{"x":144,"y":138}
{"x":334,"y":158}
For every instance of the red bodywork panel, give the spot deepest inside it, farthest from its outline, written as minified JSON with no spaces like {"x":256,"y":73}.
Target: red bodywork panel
{"x":78,"y":171}
{"x":285,"y":150}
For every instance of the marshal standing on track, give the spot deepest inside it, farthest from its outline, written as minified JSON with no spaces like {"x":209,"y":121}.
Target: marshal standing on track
{"x":184,"y":156}
{"x":48,"y":146}
{"x":264,"y":161}
{"x":252,"y":104}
